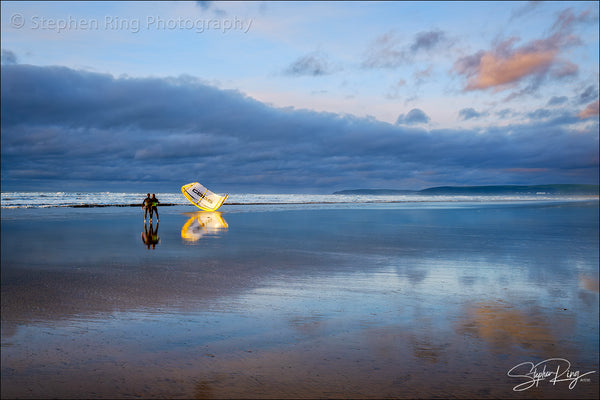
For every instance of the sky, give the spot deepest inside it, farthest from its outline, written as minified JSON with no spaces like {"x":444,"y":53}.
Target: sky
{"x":292,"y":97}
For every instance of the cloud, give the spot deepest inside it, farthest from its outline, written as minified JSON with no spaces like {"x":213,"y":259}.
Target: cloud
{"x":8,"y":57}
{"x":526,"y":9}
{"x":540,"y":113}
{"x":589,"y":94}
{"x":590,"y":111}
{"x":506,"y":113}
{"x":567,"y":19}
{"x":389,"y":51}
{"x":504,"y":65}
{"x":564,"y":69}
{"x":557,"y":100}
{"x":422,"y":75}
{"x":64,"y":129}
{"x":210,"y":6}
{"x":394,"y":90}
{"x":205,"y":5}
{"x":385,"y":52}
{"x":414,"y":116}
{"x":427,"y":40}
{"x":470,"y":113}
{"x":312,"y":64}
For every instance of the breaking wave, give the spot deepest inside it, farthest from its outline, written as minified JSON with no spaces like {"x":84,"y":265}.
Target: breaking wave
{"x":109,"y":199}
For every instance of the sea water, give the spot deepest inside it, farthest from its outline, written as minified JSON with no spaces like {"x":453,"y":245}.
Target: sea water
{"x":116,"y":199}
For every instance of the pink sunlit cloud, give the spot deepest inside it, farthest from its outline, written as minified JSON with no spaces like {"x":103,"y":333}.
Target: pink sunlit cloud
{"x":589,"y":111}
{"x":495,"y":70}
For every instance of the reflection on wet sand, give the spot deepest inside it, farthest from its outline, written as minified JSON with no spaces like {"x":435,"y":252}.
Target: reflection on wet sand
{"x":150,"y":235}
{"x":503,"y":326}
{"x":588,"y":283}
{"x":203,"y":223}
{"x":588,"y":292}
{"x":292,"y":305}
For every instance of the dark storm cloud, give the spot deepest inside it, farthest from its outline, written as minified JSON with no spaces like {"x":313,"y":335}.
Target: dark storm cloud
{"x":63,"y":128}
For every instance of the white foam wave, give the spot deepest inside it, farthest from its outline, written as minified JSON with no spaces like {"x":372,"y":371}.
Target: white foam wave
{"x":104,"y":199}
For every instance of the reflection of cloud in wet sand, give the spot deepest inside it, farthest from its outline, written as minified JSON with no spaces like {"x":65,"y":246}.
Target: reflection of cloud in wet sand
{"x":588,"y":283}
{"x":502,"y":326}
{"x":588,"y":292}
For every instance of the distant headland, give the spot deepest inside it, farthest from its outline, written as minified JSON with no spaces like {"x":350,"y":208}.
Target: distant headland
{"x":558,"y":189}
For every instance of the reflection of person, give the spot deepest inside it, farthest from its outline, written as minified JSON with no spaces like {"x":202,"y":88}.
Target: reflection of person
{"x":150,"y":235}
{"x":154,"y":206}
{"x":147,"y":206}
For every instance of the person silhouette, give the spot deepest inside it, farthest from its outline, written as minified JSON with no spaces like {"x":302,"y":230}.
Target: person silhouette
{"x":154,"y":207}
{"x":147,"y":207}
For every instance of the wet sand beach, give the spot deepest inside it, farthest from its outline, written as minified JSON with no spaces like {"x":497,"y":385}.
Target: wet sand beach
{"x":358,"y":301}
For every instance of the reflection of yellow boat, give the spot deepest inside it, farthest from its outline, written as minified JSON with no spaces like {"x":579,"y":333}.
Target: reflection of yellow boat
{"x":201,"y":224}
{"x":201,"y":197}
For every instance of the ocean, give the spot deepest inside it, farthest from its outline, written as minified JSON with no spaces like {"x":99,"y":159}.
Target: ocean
{"x":112,"y":199}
